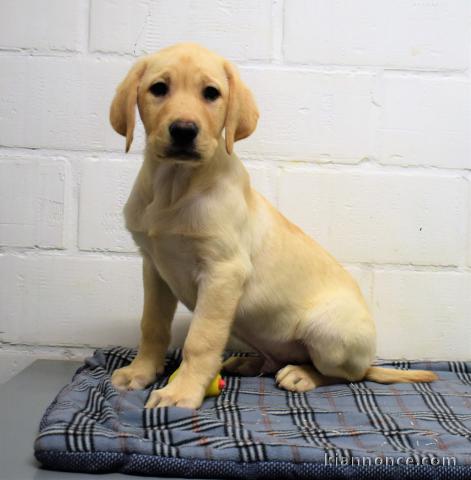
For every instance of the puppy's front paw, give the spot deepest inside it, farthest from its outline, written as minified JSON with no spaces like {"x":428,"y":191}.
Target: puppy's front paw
{"x":133,"y":377}
{"x":170,"y":396}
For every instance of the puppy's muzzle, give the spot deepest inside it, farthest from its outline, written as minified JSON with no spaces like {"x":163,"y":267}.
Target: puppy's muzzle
{"x":183,"y":133}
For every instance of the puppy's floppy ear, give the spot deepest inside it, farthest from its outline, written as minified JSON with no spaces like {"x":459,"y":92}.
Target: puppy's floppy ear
{"x":123,"y":106}
{"x":242,"y":112}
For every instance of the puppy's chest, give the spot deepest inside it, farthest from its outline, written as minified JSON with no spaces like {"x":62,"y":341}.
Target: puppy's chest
{"x":176,"y":260}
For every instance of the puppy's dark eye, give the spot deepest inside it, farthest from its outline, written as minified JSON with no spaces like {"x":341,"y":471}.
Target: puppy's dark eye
{"x":159,"y":89}
{"x":211,"y":93}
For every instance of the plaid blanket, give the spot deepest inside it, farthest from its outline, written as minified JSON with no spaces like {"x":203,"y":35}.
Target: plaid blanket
{"x":255,"y":430}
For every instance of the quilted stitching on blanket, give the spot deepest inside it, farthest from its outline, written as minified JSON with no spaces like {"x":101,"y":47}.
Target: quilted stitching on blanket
{"x":255,"y":429}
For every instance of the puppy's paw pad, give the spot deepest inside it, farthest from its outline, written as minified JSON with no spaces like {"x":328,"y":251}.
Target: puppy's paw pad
{"x":296,"y":378}
{"x":168,"y":397}
{"x":132,"y":378}
{"x":245,"y":366}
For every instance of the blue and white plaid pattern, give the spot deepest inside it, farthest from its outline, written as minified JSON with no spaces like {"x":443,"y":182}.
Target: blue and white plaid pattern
{"x":254,"y":428}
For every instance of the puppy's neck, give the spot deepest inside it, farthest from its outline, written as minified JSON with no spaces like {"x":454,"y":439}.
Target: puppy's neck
{"x":171,"y":181}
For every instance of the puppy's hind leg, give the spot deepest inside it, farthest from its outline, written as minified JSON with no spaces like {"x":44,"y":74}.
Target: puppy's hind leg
{"x":302,"y":378}
{"x":244,"y":366}
{"x":340,"y":340}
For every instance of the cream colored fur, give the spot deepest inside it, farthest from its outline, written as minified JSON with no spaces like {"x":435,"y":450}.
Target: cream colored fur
{"x":213,"y":243}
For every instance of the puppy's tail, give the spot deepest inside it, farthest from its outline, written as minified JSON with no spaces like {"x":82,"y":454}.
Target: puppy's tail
{"x":390,"y":375}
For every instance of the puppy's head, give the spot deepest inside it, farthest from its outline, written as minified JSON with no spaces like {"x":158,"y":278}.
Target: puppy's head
{"x":186,"y":96}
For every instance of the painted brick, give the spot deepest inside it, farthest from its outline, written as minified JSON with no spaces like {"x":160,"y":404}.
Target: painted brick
{"x":42,"y":24}
{"x":364,"y":278}
{"x":105,"y":187}
{"x":311,"y":116}
{"x":423,"y":314}
{"x":399,"y":34}
{"x":239,"y":30}
{"x":32,"y":202}
{"x":263,"y":179}
{"x":60,"y":103}
{"x":424,"y":121}
{"x":70,"y":301}
{"x":379,"y":217}
{"x":85,"y":300}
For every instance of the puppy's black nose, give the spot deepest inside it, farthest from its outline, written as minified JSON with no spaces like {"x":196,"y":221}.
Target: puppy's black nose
{"x":183,"y":133}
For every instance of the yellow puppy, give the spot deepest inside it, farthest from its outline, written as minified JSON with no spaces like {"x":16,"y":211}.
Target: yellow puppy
{"x":210,"y":241}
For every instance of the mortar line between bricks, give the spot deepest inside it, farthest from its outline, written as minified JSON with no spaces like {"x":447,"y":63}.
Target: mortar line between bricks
{"x":407,"y":267}
{"x":363,"y":166}
{"x":108,"y":255}
{"x":36,"y":252}
{"x":255,"y":64}
{"x":366,"y":164}
{"x":19,"y":52}
{"x":71,"y":352}
{"x":349,"y":69}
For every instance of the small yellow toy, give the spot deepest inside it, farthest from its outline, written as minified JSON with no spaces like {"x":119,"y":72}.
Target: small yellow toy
{"x":214,"y":388}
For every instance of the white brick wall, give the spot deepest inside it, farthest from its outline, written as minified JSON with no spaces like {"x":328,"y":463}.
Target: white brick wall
{"x":304,"y":113}
{"x":429,"y":306}
{"x":43,"y":25}
{"x":424,"y":121}
{"x":104,"y":188}
{"x":363,"y":140}
{"x":239,"y":30}
{"x":386,"y":217}
{"x":399,"y":34}
{"x":59,"y":103}
{"x":32,"y":202}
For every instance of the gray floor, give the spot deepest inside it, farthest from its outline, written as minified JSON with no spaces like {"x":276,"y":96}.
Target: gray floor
{"x":23,"y":400}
